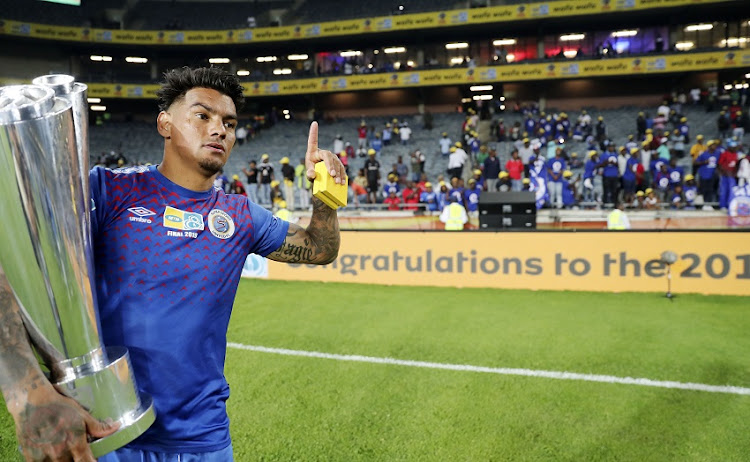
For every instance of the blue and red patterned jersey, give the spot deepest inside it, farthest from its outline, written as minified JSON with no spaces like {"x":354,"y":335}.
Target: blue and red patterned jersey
{"x":168,"y":261}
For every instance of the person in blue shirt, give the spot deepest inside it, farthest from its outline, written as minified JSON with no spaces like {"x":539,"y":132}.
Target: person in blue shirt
{"x":568,"y":190}
{"x":529,"y":125}
{"x":387,"y":134}
{"x":555,"y":168}
{"x":471,"y":196}
{"x":628,"y":176}
{"x":591,"y":176}
{"x":690,"y":192}
{"x":457,"y":191}
{"x":610,"y":174}
{"x":172,"y":317}
{"x":377,"y":145}
{"x":443,"y":196}
{"x":430,"y":198}
{"x":661,"y":182}
{"x":706,"y":164}
{"x":675,"y":173}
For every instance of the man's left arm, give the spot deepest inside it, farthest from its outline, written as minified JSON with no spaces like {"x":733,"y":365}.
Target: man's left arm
{"x":319,"y":242}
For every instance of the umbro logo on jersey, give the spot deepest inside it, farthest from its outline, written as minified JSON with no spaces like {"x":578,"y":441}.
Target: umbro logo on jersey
{"x":140,"y":214}
{"x":141,"y":211}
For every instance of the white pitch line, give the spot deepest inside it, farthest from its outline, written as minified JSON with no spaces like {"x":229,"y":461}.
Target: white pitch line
{"x":502,"y":370}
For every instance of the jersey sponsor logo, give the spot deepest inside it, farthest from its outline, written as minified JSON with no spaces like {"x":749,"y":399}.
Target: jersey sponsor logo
{"x":220,"y":224}
{"x":140,"y":214}
{"x":182,"y":220}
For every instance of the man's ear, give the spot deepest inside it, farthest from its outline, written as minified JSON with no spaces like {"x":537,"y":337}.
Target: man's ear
{"x":164,"y":124}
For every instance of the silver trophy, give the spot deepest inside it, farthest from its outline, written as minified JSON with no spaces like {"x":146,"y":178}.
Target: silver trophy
{"x":47,"y":254}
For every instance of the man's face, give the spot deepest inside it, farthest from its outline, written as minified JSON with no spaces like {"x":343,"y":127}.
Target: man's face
{"x":201,"y":129}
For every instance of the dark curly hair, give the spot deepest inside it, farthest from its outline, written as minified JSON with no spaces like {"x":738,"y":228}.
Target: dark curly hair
{"x":179,"y":81}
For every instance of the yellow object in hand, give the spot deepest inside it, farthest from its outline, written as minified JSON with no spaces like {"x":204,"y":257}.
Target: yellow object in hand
{"x":327,"y":190}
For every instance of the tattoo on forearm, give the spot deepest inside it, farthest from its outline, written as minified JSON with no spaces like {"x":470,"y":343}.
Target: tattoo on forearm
{"x":293,"y":253}
{"x":318,"y":244}
{"x":19,"y":370}
{"x":324,"y":231}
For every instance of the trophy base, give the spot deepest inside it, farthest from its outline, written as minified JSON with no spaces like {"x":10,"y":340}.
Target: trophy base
{"x":109,"y":391}
{"x":143,"y":419}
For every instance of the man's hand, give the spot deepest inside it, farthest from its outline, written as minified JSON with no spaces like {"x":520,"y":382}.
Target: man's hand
{"x":52,"y":427}
{"x":315,"y":155}
{"x":49,"y":426}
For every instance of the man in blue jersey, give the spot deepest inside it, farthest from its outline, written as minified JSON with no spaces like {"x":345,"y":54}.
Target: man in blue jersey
{"x":166,"y":284}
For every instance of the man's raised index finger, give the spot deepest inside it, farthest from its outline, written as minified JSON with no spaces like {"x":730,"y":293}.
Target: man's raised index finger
{"x":312,"y":139}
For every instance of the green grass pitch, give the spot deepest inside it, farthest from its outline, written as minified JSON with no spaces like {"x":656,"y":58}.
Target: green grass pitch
{"x":290,"y":408}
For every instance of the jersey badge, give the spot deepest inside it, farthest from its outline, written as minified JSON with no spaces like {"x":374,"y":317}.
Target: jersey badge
{"x":220,"y":224}
{"x":182,"y":220}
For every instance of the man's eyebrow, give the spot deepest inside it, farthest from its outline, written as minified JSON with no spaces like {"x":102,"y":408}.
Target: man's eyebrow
{"x":210,"y":109}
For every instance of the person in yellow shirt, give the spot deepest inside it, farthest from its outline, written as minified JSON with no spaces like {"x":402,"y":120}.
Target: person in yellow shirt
{"x":697,"y":149}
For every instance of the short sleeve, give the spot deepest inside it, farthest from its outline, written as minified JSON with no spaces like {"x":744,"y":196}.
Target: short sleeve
{"x":269,"y":231}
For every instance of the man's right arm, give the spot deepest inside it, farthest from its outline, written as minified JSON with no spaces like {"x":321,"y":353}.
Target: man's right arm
{"x":49,"y":426}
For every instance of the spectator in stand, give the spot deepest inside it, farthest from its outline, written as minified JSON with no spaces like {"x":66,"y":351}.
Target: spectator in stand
{"x":387,"y":134}
{"x":405,"y":133}
{"x":287,"y":172}
{"x":629,"y":176}
{"x":478,"y":178}
{"x":738,"y":126}
{"x":429,"y":198}
{"x":338,"y":145}
{"x":456,"y":161}
{"x":410,"y":196}
{"x":678,"y":144}
{"x":302,"y":185}
{"x":661,"y":182}
{"x":676,"y":200}
{"x":221,"y":181}
{"x":445,"y":145}
{"x":504,"y":184}
{"x":591,"y":176}
{"x":265,"y":172}
{"x":482,"y":155}
{"x":727,"y":173}
{"x":684,"y":129}
{"x":569,"y":190}
{"x":471,"y":197}
{"x":723,"y":124}
{"x":514,"y":168}
{"x":676,"y":174}
{"x":236,"y":186}
{"x":640,"y":126}
{"x":663,"y":110}
{"x":690,"y":192}
{"x":241,"y":134}
{"x":743,"y":169}
{"x":393,"y":201}
{"x":601,"y":130}
{"x":696,"y":150}
{"x":638,"y":202}
{"x":276,"y":194}
{"x":391,"y":186}
{"x":610,"y":174}
{"x":555,"y":168}
{"x":362,"y":138}
{"x":443,"y":196}
{"x":651,"y":202}
{"x":372,"y":171}
{"x":377,"y":145}
{"x":252,"y":181}
{"x":526,"y":153}
{"x":457,"y":189}
{"x":358,"y":192}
